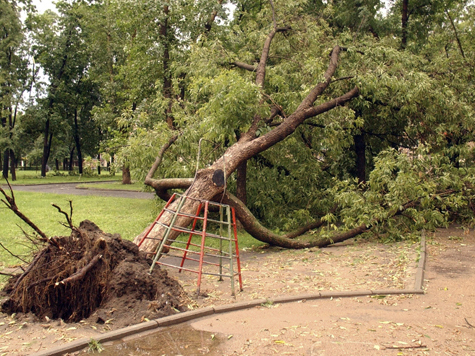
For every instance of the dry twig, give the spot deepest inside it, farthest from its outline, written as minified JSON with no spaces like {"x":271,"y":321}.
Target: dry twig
{"x":11,"y":253}
{"x":420,"y":346}
{"x":69,"y":218}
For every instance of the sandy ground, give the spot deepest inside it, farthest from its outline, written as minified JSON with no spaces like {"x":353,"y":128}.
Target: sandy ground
{"x":440,"y":322}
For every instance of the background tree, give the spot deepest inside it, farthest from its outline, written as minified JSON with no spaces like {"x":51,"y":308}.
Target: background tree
{"x":15,"y":78}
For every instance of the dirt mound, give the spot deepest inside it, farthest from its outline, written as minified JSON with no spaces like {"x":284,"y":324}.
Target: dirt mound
{"x":92,"y":274}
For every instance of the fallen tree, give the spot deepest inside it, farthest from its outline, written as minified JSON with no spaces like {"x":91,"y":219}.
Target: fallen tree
{"x":385,"y":96}
{"x":249,"y":143}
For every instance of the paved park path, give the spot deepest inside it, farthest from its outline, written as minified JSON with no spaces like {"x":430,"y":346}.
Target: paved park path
{"x":70,"y":189}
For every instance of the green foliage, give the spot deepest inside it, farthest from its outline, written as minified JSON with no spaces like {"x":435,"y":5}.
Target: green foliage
{"x":95,"y":346}
{"x":407,"y":191}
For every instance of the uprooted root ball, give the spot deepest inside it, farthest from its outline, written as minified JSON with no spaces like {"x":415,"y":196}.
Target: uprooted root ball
{"x":74,"y":276}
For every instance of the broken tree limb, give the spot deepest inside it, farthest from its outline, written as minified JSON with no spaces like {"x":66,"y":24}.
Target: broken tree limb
{"x":242,"y":65}
{"x":11,"y":204}
{"x":82,"y":272}
{"x":400,"y":347}
{"x":261,"y":233}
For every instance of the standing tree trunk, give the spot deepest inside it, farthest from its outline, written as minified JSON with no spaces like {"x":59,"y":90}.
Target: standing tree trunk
{"x":404,"y":22}
{"x":77,"y":141}
{"x":126,"y":179}
{"x":5,"y":164}
{"x":47,"y":140}
{"x":360,"y":151}
{"x":12,"y":165}
{"x":71,"y":159}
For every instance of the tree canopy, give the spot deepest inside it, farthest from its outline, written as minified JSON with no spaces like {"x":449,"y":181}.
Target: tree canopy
{"x":338,"y":115}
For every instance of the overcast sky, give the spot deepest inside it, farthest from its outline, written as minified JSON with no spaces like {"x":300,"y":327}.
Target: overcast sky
{"x":42,"y":5}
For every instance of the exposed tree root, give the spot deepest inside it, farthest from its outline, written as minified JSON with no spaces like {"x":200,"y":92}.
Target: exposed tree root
{"x":85,"y":271}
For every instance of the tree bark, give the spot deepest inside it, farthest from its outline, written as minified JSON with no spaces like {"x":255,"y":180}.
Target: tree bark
{"x":126,"y":179}
{"x":360,"y":151}
{"x":12,"y":165}
{"x":47,"y":140}
{"x":71,"y":159}
{"x":5,"y":164}
{"x":77,"y":141}
{"x":404,"y":22}
{"x":241,"y":182}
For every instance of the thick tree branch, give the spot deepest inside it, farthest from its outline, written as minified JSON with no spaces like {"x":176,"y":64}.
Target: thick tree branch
{"x":261,"y":233}
{"x":242,"y":65}
{"x":261,"y":67}
{"x":320,"y":87}
{"x":159,"y":158}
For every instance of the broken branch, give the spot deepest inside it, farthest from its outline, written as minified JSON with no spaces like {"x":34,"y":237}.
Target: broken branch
{"x":11,"y":204}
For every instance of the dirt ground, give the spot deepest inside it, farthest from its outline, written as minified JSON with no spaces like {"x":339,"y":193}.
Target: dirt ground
{"x":440,"y":322}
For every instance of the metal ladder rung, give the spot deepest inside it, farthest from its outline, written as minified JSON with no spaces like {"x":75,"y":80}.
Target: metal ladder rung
{"x":194,"y":232}
{"x":183,"y":214}
{"x":196,"y":217}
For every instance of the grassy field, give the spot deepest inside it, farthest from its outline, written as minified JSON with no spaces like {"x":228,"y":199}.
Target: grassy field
{"x":34,"y":177}
{"x":127,"y":217}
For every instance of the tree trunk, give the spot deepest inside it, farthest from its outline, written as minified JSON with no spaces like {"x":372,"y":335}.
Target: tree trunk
{"x":241,"y":182}
{"x":77,"y":141}
{"x":360,"y":151}
{"x":126,"y":175}
{"x":5,"y":164}
{"x":99,"y":164}
{"x":71,"y":159}
{"x":404,"y":22}
{"x":47,"y":139}
{"x":12,"y":165}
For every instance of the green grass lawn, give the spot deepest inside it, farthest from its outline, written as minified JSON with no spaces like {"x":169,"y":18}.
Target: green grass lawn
{"x":128,"y":217}
{"x":34,"y":177}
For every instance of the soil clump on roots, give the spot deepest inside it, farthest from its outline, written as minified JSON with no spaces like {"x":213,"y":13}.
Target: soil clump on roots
{"x":95,"y":275}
